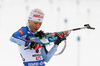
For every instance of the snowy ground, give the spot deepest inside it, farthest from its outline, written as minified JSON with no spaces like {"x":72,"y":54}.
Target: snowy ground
{"x":13,"y":15}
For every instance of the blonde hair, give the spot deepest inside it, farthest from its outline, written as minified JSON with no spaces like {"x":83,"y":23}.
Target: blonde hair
{"x":36,"y":10}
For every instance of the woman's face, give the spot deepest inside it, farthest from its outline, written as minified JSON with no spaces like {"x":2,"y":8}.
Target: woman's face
{"x":34,"y":25}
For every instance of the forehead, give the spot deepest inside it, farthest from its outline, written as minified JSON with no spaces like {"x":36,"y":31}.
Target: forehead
{"x":34,"y":21}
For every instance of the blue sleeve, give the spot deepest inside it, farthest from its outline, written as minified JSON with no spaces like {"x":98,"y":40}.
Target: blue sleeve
{"x":48,"y":56}
{"x":22,"y":31}
{"x":17,"y":36}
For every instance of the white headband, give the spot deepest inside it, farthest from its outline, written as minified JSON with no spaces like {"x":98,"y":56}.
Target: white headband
{"x":36,"y":16}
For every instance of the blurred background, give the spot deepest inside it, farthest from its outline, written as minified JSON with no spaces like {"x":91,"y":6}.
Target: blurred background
{"x":83,"y":47}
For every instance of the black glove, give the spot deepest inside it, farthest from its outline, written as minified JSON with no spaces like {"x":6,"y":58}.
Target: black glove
{"x":27,"y":43}
{"x":60,"y":39}
{"x":35,"y":46}
{"x":40,"y":34}
{"x":32,"y":45}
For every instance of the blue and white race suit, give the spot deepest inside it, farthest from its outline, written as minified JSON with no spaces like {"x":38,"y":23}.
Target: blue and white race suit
{"x":30,"y":57}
